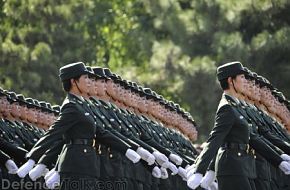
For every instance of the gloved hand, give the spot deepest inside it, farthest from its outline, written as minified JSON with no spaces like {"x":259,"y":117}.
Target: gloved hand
{"x":133,"y":156}
{"x":161,"y":159}
{"x":190,"y":171}
{"x":37,"y":172}
{"x":25,"y":168}
{"x":208,"y":179}
{"x":176,"y":159}
{"x":146,"y":155}
{"x":49,"y":174}
{"x":53,"y":181}
{"x":164,"y":174}
{"x":285,"y":157}
{"x":156,"y":172}
{"x":192,"y":167}
{"x":173,"y":168}
{"x":285,"y":167}
{"x":11,"y":166}
{"x":194,"y":181}
{"x":45,"y":172}
{"x":182,"y":173}
{"x":214,"y":186}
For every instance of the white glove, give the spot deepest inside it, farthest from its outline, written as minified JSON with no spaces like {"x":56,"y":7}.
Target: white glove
{"x":53,"y":181}
{"x":285,"y":157}
{"x":146,"y":155}
{"x":182,"y":173}
{"x":189,"y":168}
{"x":49,"y":174}
{"x":25,"y":168}
{"x":150,"y":160}
{"x":161,"y":159}
{"x":156,"y":172}
{"x":285,"y":167}
{"x":173,"y":168}
{"x":45,"y":172}
{"x":194,"y":181}
{"x":176,"y":159}
{"x":133,"y":156}
{"x":37,"y":172}
{"x":11,"y":166}
{"x":164,"y":174}
{"x":214,"y":186}
{"x":208,"y":179}
{"x":190,"y":171}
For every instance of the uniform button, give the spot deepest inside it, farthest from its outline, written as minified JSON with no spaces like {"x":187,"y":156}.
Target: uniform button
{"x":95,"y":123}
{"x":16,"y":136}
{"x":241,"y":117}
{"x":34,"y":139}
{"x":103,"y":117}
{"x":239,"y":154}
{"x":112,"y":120}
{"x":111,"y":155}
{"x":85,"y":150}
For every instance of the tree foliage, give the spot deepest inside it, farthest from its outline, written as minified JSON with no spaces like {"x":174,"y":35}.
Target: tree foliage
{"x":172,"y":46}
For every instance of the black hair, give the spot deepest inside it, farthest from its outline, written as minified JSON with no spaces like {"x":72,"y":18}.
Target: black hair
{"x":224,"y":83}
{"x":66,"y":84}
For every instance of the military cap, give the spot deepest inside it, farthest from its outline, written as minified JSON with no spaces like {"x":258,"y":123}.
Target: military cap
{"x":44,"y":107}
{"x":36,"y":103}
{"x":21,"y":99}
{"x":30,"y":103}
{"x":1,"y":91}
{"x":91,"y":72}
{"x":108,"y":73}
{"x":229,"y":70}
{"x":72,"y":70}
{"x":12,"y":97}
{"x":48,"y":105}
{"x":248,"y":74}
{"x":148,"y":93}
{"x":99,"y":71}
{"x":56,"y":109}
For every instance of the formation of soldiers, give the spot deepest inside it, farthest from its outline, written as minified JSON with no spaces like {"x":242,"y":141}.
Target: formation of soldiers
{"x":144,"y":141}
{"x":249,"y":146}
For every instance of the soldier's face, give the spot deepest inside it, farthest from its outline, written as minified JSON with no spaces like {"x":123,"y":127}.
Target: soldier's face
{"x":92,"y":89}
{"x":15,"y":110}
{"x":3,"y":104}
{"x":240,"y":83}
{"x":111,"y":88}
{"x":84,"y":84}
{"x":101,"y":87}
{"x":23,"y":112}
{"x":256,"y":93}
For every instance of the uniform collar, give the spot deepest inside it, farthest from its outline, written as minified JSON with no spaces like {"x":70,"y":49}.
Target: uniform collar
{"x":78,"y":98}
{"x":232,"y":98}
